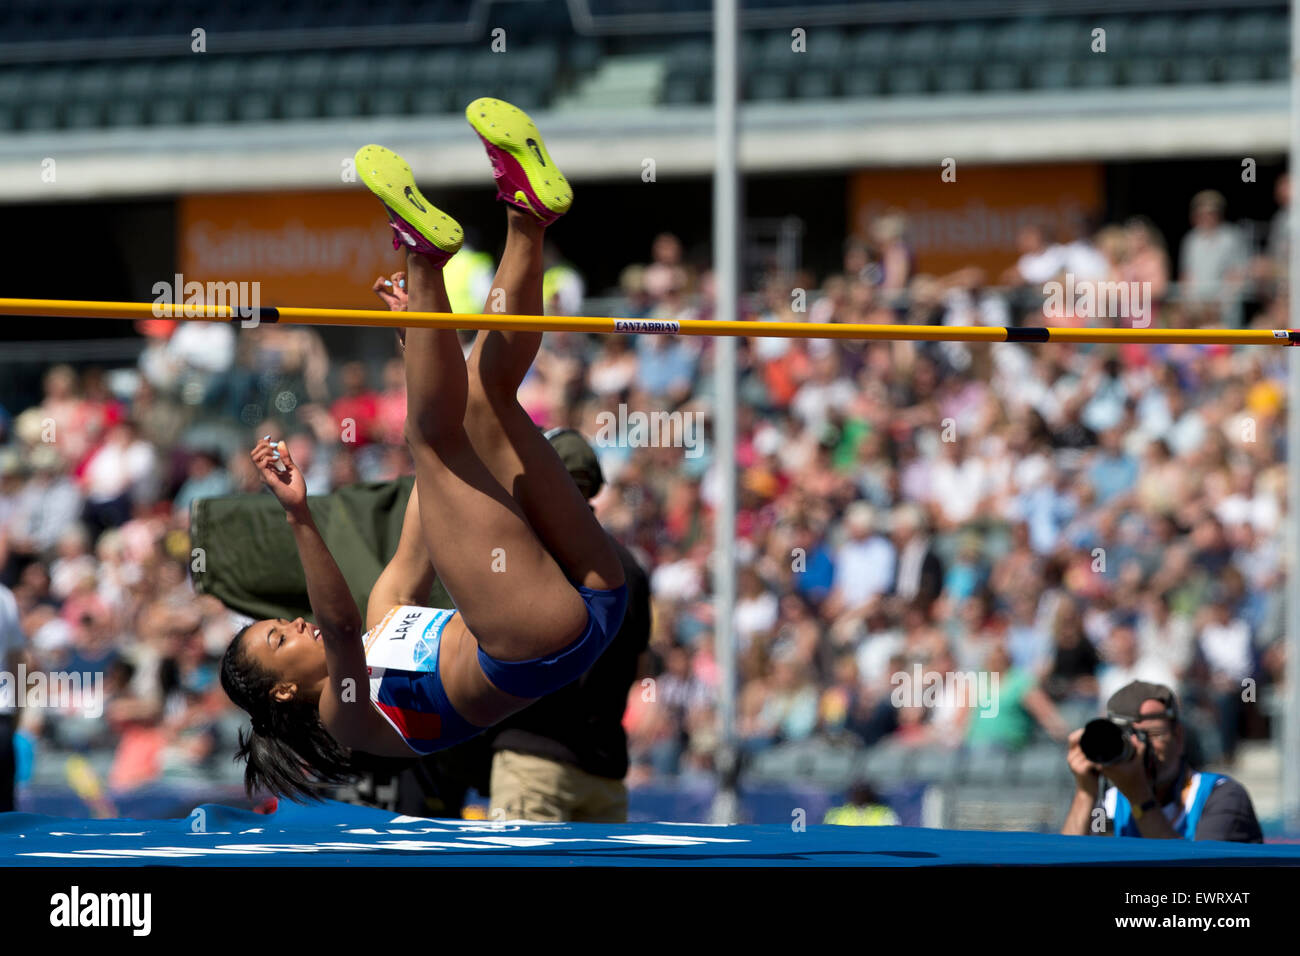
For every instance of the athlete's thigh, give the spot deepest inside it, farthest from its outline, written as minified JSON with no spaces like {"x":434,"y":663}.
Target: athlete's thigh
{"x":512,"y":596}
{"x":523,"y":462}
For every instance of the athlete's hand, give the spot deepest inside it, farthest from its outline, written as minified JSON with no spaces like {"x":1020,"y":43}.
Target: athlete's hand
{"x":392,"y":290}
{"x":288,"y":486}
{"x":1085,"y":771}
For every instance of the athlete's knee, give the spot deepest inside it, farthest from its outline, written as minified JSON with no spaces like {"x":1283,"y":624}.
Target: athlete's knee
{"x":479,"y":400}
{"x":492,"y":412}
{"x":426,"y":428}
{"x":491,"y":382}
{"x":500,"y":361}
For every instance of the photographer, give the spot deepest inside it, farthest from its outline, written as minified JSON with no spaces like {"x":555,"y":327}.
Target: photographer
{"x":1155,"y":794}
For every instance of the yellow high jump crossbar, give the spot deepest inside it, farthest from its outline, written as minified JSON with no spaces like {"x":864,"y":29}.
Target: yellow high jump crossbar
{"x":382,"y":318}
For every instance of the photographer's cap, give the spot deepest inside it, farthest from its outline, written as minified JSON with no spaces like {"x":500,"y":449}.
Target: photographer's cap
{"x":579,"y":459}
{"x":1126,"y":702}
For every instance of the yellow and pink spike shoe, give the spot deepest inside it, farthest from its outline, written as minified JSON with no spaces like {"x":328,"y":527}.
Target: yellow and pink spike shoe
{"x":525,"y":174}
{"x":418,"y":225}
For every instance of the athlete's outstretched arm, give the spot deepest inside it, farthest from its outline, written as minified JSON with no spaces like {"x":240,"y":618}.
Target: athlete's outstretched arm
{"x":331,"y":601}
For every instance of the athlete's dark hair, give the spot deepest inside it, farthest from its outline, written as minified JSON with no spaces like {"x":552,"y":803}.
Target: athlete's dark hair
{"x":289,"y":752}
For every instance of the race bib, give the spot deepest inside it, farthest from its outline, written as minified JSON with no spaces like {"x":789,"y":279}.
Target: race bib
{"x":406,"y":639}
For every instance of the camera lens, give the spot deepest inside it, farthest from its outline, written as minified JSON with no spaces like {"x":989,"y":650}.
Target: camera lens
{"x":1103,"y":741}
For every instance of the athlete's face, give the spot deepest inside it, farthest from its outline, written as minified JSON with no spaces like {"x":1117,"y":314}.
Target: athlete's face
{"x":291,"y":650}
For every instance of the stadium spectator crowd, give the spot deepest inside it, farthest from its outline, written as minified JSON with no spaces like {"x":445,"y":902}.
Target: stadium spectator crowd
{"x":1068,"y":517}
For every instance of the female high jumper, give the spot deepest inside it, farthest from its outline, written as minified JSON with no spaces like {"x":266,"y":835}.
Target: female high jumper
{"x":538,"y":589}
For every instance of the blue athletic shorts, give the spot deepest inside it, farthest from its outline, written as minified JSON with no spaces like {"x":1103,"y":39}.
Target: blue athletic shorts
{"x":544,"y":675}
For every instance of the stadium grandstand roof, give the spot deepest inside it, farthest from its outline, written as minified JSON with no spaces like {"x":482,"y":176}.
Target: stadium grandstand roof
{"x":283,"y":92}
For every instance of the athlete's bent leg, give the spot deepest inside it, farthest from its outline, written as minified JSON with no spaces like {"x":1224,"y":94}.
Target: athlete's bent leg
{"x":510,"y":592}
{"x":519,"y":456}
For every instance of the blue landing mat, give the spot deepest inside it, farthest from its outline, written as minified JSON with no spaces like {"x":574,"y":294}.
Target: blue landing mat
{"x":337,"y":834}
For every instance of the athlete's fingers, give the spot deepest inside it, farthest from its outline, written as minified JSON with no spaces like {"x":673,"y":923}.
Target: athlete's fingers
{"x":391,"y":295}
{"x":270,"y":471}
{"x":272,"y":457}
{"x":266,"y":468}
{"x":281,"y":455}
{"x":399,"y":297}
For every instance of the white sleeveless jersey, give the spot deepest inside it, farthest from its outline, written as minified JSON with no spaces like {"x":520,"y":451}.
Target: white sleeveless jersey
{"x":402,"y":664}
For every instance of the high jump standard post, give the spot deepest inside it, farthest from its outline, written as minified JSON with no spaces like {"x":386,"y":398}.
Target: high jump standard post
{"x":1291,"y":711}
{"x":726,"y":274}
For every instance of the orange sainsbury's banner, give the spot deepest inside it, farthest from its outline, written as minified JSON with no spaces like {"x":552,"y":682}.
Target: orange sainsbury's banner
{"x":308,"y":249}
{"x":973,"y":220}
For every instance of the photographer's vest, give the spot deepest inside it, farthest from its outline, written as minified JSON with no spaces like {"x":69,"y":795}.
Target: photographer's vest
{"x":1183,"y":815}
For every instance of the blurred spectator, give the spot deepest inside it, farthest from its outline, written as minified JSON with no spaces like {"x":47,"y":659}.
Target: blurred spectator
{"x":1213,"y":256}
{"x":48,"y":504}
{"x":1145,"y":260}
{"x":864,"y":564}
{"x":614,"y":371}
{"x":356,"y":411}
{"x":315,"y":468}
{"x":920,"y":570}
{"x":665,"y":273}
{"x":1040,"y":260}
{"x":889,"y":234}
{"x":666,"y":367}
{"x":1278,"y":251}
{"x":1165,"y":637}
{"x":680,"y":693}
{"x":789,"y":708}
{"x":1124,"y":665}
{"x":390,"y":404}
{"x":756,"y":607}
{"x":563,"y":288}
{"x":205,"y":478}
{"x":1075,"y":659}
{"x":1080,"y":257}
{"x":118,"y":474}
{"x":1113,"y":471}
{"x":1225,"y":645}
{"x":189,"y":359}
{"x":864,"y":808}
{"x":1016,"y":708}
